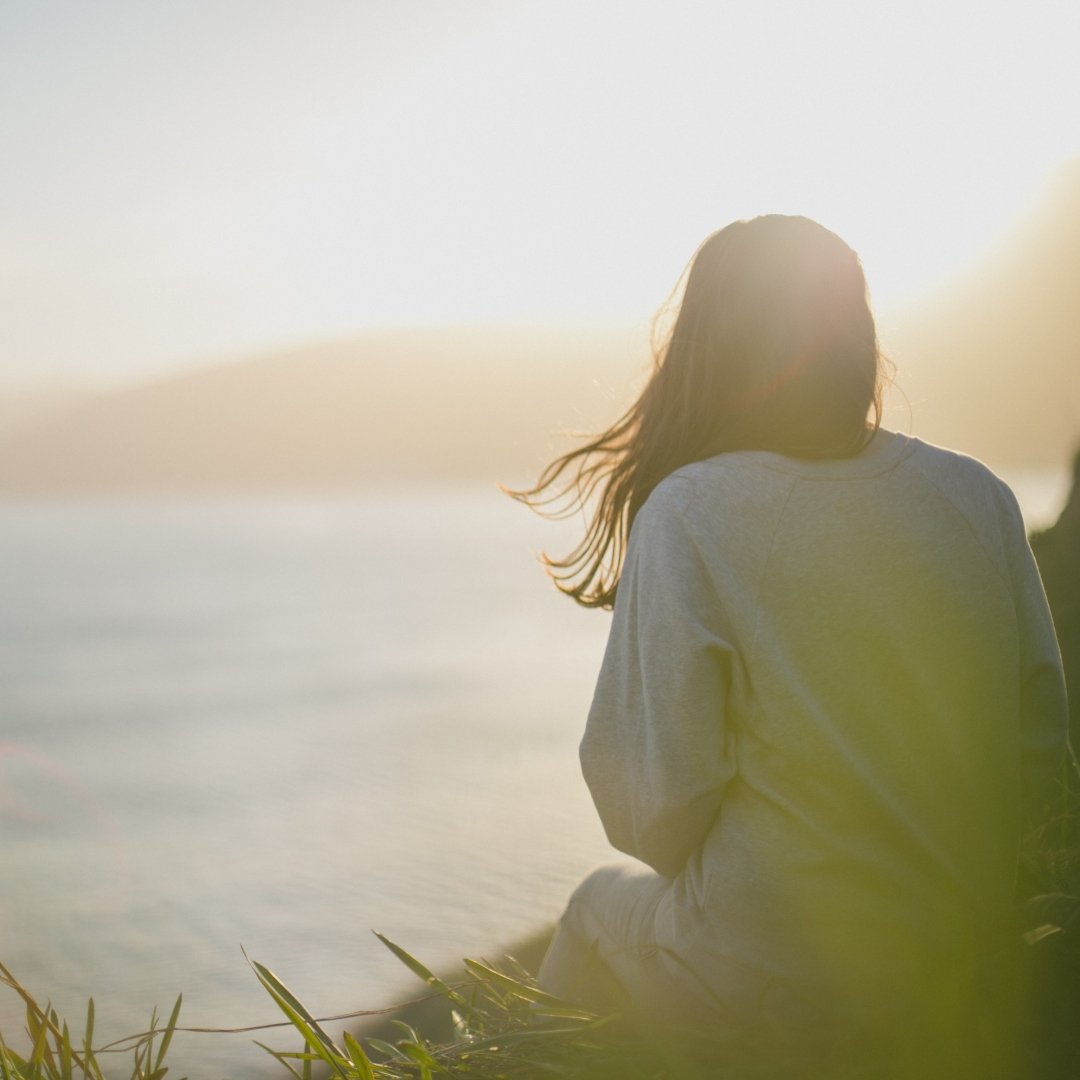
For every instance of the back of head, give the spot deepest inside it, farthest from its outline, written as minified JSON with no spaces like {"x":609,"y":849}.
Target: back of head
{"x":774,"y":346}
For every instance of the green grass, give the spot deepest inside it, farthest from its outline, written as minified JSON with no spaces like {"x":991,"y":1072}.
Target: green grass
{"x":506,"y":1028}
{"x":1024,"y":1023}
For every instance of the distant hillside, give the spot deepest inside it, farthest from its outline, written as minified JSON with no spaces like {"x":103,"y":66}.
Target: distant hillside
{"x":416,"y":405}
{"x":992,"y":364}
{"x":23,"y":410}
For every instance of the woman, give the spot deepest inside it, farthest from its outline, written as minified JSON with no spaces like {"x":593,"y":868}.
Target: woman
{"x":832,"y":690}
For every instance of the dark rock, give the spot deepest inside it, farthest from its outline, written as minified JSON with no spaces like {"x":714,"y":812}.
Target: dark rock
{"x":1057,"y":551}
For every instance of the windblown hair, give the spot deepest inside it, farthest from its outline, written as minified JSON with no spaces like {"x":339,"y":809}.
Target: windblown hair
{"x":773,"y":347}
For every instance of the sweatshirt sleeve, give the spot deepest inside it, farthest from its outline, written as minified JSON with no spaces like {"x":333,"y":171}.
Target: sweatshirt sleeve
{"x":654,"y":753}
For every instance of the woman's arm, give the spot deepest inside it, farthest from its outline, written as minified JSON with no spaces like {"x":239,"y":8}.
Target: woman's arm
{"x":654,"y":753}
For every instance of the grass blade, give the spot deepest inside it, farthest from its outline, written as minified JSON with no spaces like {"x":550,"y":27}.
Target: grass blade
{"x":91,"y":1069}
{"x":301,"y":1019}
{"x":65,"y":1054}
{"x":485,"y":973}
{"x":170,"y":1028}
{"x":359,"y":1058}
{"x":278,"y":1056}
{"x":422,"y":972}
{"x":11,"y":1065}
{"x":419,"y":1053}
{"x":391,"y":1053}
{"x":39,"y":1031}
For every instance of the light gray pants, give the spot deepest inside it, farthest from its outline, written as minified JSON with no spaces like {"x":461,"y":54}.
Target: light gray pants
{"x":604,"y":954}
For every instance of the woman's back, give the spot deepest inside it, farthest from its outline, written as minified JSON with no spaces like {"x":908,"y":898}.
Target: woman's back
{"x":831,"y":684}
{"x":823,"y":683}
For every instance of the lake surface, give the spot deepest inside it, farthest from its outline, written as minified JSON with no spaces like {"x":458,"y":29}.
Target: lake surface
{"x":278,"y":723}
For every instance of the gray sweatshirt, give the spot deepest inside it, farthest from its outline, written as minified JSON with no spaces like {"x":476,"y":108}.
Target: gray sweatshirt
{"x":829,"y":689}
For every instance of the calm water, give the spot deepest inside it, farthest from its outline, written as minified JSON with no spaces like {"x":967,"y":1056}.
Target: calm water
{"x":278,"y":723}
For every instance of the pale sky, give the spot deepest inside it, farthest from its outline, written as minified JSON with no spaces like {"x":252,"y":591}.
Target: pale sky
{"x":196,"y":179}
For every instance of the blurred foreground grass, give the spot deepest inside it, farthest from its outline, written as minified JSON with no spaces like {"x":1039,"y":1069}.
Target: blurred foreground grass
{"x":498,"y":1025}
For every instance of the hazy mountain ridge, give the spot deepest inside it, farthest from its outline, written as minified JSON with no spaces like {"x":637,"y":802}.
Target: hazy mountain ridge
{"x":23,"y":410}
{"x":414,"y":405}
{"x":990,"y":365}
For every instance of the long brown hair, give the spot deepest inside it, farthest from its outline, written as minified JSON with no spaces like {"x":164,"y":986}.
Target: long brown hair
{"x":773,"y":347}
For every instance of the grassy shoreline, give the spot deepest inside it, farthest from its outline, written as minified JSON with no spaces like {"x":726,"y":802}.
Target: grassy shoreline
{"x":1027,"y":1000}
{"x":430,"y":1012}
